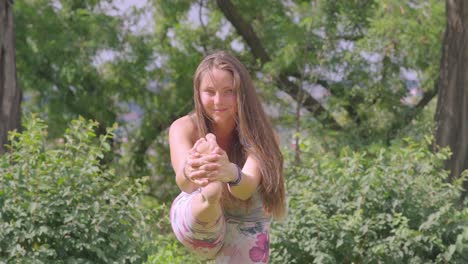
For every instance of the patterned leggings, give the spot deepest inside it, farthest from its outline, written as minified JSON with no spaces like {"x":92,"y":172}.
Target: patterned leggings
{"x":225,"y":240}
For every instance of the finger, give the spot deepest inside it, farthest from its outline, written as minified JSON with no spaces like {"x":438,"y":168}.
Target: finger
{"x":210,"y":167}
{"x":197,"y":162}
{"x":198,"y":174}
{"x":193,"y":154}
{"x":213,"y":176}
{"x":211,"y":158}
{"x":202,"y":182}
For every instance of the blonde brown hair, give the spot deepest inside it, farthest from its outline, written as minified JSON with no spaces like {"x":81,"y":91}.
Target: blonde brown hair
{"x":254,"y":132}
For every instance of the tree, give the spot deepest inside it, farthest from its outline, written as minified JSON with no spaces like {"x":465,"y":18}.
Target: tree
{"x":288,"y":46}
{"x":76,"y":59}
{"x":296,"y":45}
{"x":10,"y":93}
{"x":245,"y":30}
{"x":56,"y":55}
{"x":452,"y":107}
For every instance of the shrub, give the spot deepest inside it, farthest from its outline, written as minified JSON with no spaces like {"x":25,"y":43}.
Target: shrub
{"x":59,"y":204}
{"x":166,"y":248}
{"x":171,"y":251}
{"x":392,"y":205}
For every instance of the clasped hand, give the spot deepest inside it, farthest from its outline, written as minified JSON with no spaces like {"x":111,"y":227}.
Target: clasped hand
{"x":207,"y":162}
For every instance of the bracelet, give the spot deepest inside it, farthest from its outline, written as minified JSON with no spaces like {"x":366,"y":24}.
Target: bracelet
{"x":239,"y":177}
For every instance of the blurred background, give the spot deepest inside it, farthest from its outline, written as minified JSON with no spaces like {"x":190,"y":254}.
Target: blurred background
{"x":369,"y":98}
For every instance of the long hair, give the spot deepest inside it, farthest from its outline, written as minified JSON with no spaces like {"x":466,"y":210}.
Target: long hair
{"x":254,"y":132}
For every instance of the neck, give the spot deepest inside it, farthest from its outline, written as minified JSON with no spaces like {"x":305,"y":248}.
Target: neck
{"x":224,"y":135}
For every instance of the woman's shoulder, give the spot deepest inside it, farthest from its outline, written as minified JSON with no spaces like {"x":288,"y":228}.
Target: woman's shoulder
{"x":185,"y":123}
{"x":181,"y":122}
{"x":183,"y":126}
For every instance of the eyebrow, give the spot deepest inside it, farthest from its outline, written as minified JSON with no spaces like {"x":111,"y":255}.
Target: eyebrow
{"x":224,"y":88}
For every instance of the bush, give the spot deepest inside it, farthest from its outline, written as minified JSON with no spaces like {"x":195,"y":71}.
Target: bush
{"x":59,"y":204}
{"x":170,"y":251}
{"x":392,"y":205}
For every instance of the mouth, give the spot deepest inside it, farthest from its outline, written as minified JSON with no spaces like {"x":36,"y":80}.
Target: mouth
{"x":220,"y":110}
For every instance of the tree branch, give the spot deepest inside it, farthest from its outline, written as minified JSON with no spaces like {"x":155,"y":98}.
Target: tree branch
{"x":246,"y":31}
{"x":393,"y":131}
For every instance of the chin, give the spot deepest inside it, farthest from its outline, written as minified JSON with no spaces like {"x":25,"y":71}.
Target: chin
{"x":218,"y":119}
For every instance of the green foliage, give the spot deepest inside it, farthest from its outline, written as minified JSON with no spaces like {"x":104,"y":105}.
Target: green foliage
{"x":371,"y":202}
{"x":400,"y":35}
{"x":60,"y":205}
{"x":76,"y":59}
{"x":57,"y":43}
{"x":168,"y":249}
{"x":380,"y":205}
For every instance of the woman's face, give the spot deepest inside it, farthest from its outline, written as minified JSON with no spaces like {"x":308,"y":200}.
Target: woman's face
{"x":218,"y":96}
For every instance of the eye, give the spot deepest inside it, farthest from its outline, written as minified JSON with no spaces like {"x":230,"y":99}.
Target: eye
{"x":209,"y":92}
{"x":229,"y":91}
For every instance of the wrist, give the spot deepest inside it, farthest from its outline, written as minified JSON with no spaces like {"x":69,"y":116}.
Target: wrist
{"x":237,"y":175}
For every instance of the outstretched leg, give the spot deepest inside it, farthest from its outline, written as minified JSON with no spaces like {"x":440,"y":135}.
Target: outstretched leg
{"x":207,"y":205}
{"x":197,"y":218}
{"x":198,"y":221}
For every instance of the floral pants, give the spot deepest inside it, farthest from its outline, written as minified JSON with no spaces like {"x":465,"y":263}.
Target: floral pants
{"x":226,"y":240}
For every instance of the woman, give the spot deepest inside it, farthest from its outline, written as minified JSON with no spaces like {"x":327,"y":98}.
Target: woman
{"x":228,"y":166}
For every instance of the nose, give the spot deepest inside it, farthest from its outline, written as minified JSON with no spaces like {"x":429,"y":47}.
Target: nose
{"x":218,"y":98}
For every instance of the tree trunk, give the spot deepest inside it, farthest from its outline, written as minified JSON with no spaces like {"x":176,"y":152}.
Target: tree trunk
{"x":452,"y":107}
{"x":10,"y":94}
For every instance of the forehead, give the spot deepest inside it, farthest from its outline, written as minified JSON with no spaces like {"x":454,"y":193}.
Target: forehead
{"x":216,"y":78}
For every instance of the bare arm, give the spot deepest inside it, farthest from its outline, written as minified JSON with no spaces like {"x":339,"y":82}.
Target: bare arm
{"x":251,"y":178}
{"x":250,"y":174}
{"x":219,"y":168}
{"x":180,"y":143}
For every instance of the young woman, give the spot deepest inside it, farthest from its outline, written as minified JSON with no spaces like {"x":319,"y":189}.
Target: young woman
{"x":228,"y":166}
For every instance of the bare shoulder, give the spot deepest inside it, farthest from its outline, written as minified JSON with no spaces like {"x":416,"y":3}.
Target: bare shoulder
{"x":183,"y":127}
{"x":182,"y":123}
